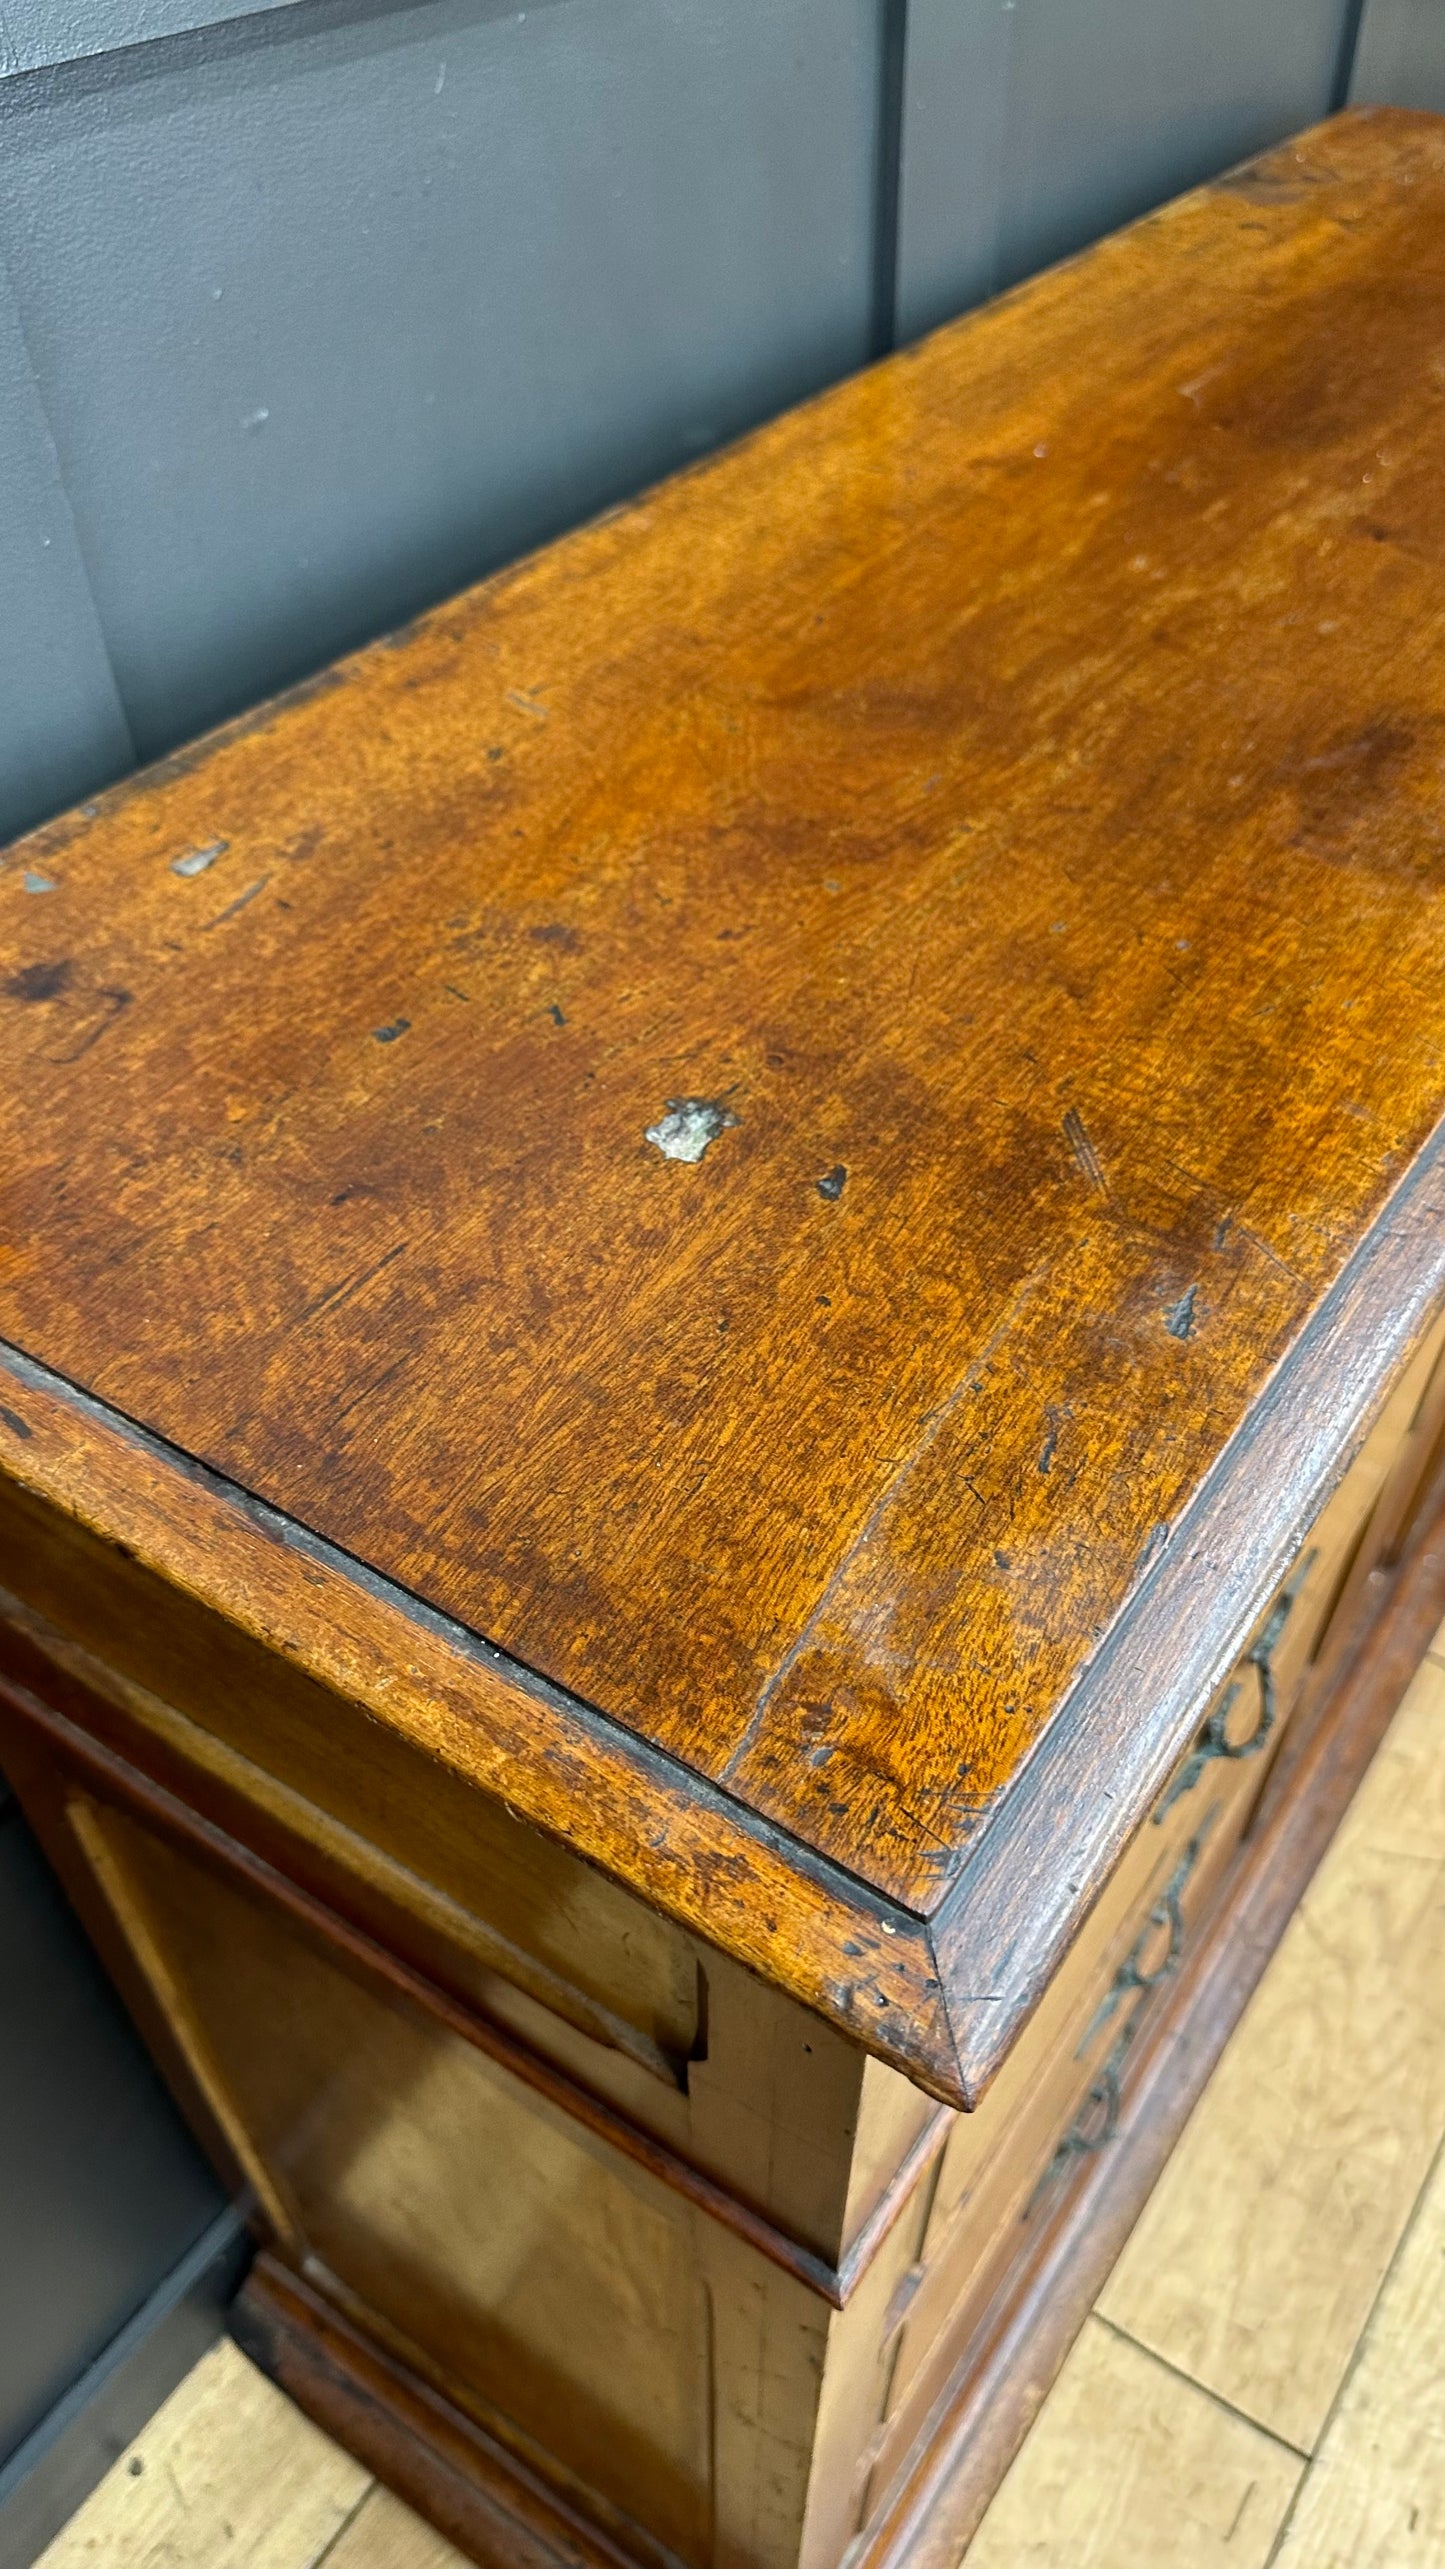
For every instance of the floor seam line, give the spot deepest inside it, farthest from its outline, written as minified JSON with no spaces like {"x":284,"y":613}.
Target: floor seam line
{"x":1437,"y":2160}
{"x":1216,"y":2398}
{"x":347,"y":2521}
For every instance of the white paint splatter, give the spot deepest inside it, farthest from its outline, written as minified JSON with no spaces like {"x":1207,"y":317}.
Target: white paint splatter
{"x":690,"y":1123}
{"x":197,"y":860}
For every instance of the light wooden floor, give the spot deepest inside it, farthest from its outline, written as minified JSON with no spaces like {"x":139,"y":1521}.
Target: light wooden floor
{"x":1263,"y":2379}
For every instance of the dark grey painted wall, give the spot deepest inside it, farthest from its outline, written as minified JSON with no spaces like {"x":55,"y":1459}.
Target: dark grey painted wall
{"x":101,"y":2190}
{"x":1400,"y":59}
{"x":1031,"y":126}
{"x":331,"y":309}
{"x":1117,"y":104}
{"x":37,"y":33}
{"x":310,"y":313}
{"x":62,"y":727}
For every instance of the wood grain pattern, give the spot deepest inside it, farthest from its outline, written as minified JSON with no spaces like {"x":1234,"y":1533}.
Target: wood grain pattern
{"x":1014,"y":1909}
{"x":445,"y":2465}
{"x":1378,"y":2460}
{"x":1129,"y":2463}
{"x":1008,"y":790}
{"x":1002,"y":2380}
{"x":1374,"y":2497}
{"x":226,"y":2470}
{"x":384,"y":2534}
{"x":1259,"y":2256}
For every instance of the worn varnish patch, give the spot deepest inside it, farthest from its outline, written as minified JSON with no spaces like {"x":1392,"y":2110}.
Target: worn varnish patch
{"x":1006,"y":793}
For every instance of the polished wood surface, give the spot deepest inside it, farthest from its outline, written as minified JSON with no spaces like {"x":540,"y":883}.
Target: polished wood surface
{"x":1006,"y":791}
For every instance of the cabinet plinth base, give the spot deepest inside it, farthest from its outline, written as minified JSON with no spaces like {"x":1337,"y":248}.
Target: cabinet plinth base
{"x":465,"y":2483}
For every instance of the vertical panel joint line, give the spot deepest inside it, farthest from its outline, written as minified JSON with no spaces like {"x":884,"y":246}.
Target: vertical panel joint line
{"x":1350,"y":27}
{"x":888,"y":175}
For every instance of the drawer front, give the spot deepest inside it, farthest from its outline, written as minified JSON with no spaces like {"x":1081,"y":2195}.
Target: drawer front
{"x":1058,"y":2098}
{"x":1377,"y":1499}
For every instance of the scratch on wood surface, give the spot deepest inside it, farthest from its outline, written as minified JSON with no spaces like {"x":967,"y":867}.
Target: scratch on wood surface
{"x":113,"y":1004}
{"x":1084,"y":1152}
{"x":239,"y":903}
{"x":930,"y":1427}
{"x":349,"y":1285}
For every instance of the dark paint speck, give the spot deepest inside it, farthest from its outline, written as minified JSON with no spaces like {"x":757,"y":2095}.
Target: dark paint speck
{"x":38,"y":981}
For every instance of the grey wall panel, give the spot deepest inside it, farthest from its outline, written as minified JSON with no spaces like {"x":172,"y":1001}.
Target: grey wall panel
{"x":53,"y":2471}
{"x":1400,"y":57}
{"x":1117,"y":104}
{"x":34,"y":33}
{"x":101,"y":2188}
{"x":61,"y":725}
{"x":955,"y":96}
{"x":328,"y":317}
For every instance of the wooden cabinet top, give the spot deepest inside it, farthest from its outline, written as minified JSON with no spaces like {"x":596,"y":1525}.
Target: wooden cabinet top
{"x":749,"y":1178}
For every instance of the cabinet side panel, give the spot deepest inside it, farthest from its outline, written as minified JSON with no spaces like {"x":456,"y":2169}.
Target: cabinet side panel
{"x":747,"y":2084}
{"x":544,"y":2285}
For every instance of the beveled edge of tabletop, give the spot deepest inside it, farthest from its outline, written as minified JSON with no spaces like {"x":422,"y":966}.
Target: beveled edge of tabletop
{"x":663,"y":1831}
{"x":944,"y":1998}
{"x":1054,"y":1835}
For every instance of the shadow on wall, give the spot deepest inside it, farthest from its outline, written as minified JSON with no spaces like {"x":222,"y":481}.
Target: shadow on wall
{"x":311,"y":314}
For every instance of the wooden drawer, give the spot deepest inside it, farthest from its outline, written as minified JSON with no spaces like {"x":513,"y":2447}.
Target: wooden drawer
{"x":1059,"y":2097}
{"x":1368,"y":1521}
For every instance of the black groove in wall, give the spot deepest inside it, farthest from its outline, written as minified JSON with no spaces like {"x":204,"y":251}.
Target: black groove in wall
{"x":888,"y":180}
{"x":1354,"y":19}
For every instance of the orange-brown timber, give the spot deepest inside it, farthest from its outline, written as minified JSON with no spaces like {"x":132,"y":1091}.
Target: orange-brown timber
{"x":1010,"y":787}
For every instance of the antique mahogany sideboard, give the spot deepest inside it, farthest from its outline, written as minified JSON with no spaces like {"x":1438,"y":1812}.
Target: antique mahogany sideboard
{"x":723,"y":1392}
